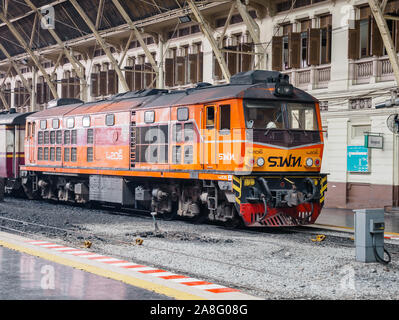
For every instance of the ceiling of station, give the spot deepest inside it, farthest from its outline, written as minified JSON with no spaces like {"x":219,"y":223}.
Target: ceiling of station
{"x":68,"y":22}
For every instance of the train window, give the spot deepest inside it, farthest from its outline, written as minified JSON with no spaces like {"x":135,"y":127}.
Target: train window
{"x":188,"y":132}
{"x":58,"y":154}
{"x":56,"y":123}
{"x":46,"y":137}
{"x":302,"y":116}
{"x":224,"y":117}
{"x":90,"y":136}
{"x":86,"y":121}
{"x":70,"y":123}
{"x":33,"y":129}
{"x":152,"y":144}
{"x":177,"y":132}
{"x":58,"y":137}
{"x":40,"y":137}
{"x":74,"y":155}
{"x":188,"y":154}
{"x":89,"y":154}
{"x":52,"y":154}
{"x":29,"y":131}
{"x":210,"y":117}
{"x":67,"y":153}
{"x":43,"y":124}
{"x":45,"y":153}
{"x":182,"y":114}
{"x":67,"y":137}
{"x":110,"y":119}
{"x":260,"y":114}
{"x":52,"y":137}
{"x":176,"y":154}
{"x":149,"y":116}
{"x":40,"y":153}
{"x":74,"y":137}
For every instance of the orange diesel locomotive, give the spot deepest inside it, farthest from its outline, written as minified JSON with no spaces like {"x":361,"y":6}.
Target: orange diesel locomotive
{"x":247,"y":151}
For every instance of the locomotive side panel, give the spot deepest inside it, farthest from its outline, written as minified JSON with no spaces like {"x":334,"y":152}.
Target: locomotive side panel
{"x":152,"y":139}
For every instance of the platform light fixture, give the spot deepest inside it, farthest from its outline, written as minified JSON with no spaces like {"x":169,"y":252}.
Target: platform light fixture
{"x":185,"y":19}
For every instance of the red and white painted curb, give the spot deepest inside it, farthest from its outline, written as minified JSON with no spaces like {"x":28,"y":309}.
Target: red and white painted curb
{"x":162,"y":274}
{"x":391,"y":237}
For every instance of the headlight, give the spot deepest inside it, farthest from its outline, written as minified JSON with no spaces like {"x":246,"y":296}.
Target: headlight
{"x":283,"y":89}
{"x":260,"y":162}
{"x":309,"y":162}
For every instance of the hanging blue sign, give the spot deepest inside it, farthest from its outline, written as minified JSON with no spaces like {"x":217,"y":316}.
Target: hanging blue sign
{"x":357,"y":159}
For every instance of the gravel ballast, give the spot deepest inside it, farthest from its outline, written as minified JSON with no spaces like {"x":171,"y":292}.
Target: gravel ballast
{"x":268,"y":263}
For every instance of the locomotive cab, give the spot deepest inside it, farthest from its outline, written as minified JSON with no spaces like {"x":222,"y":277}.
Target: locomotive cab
{"x":281,"y":182}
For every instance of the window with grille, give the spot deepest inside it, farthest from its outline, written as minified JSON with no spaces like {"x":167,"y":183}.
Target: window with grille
{"x":90,"y":136}
{"x":52,"y":137}
{"x":52,"y":154}
{"x":74,"y":155}
{"x":46,"y":137}
{"x":89,"y":154}
{"x":58,"y":137}
{"x":40,"y":153}
{"x":67,"y":154}
{"x":40,"y":137}
{"x":74,"y":137}
{"x":67,"y":137}
{"x":45,"y":153}
{"x":58,"y":154}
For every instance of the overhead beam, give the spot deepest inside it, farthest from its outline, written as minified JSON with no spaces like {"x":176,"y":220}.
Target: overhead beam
{"x":102,"y":43}
{"x":75,"y":64}
{"x":386,"y":37}
{"x":207,"y":31}
{"x":3,"y":99}
{"x":383,"y":5}
{"x":16,"y":67}
{"x":226,"y":25}
{"x":34,"y":58}
{"x":139,"y":37}
{"x":253,"y":29}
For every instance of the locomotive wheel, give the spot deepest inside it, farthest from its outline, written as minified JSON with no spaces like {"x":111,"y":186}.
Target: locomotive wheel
{"x":235,"y":222}
{"x":199,"y":219}
{"x":29,"y":194}
{"x":172,"y":215}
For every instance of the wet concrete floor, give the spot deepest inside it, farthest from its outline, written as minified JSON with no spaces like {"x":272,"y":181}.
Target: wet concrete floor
{"x":345,"y":218}
{"x":25,"y":277}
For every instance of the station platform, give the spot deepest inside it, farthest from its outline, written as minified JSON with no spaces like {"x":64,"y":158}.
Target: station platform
{"x":40,"y":270}
{"x":344,"y":218}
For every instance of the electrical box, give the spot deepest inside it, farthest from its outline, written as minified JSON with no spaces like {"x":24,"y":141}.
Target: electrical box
{"x":369,"y":234}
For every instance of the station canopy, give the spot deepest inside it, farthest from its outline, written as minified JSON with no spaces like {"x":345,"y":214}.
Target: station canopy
{"x":69,"y":24}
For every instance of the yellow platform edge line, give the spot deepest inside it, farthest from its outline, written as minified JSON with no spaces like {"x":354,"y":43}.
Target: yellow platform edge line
{"x":170,"y":292}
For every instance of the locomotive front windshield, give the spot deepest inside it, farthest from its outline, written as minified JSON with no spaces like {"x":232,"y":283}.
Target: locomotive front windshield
{"x":261,"y":114}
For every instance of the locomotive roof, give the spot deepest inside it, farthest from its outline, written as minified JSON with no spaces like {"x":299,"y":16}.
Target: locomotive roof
{"x":13,"y":118}
{"x":204,"y":93}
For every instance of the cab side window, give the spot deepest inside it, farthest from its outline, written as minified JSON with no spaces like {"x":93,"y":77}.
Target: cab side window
{"x":225,"y":117}
{"x":210,"y":117}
